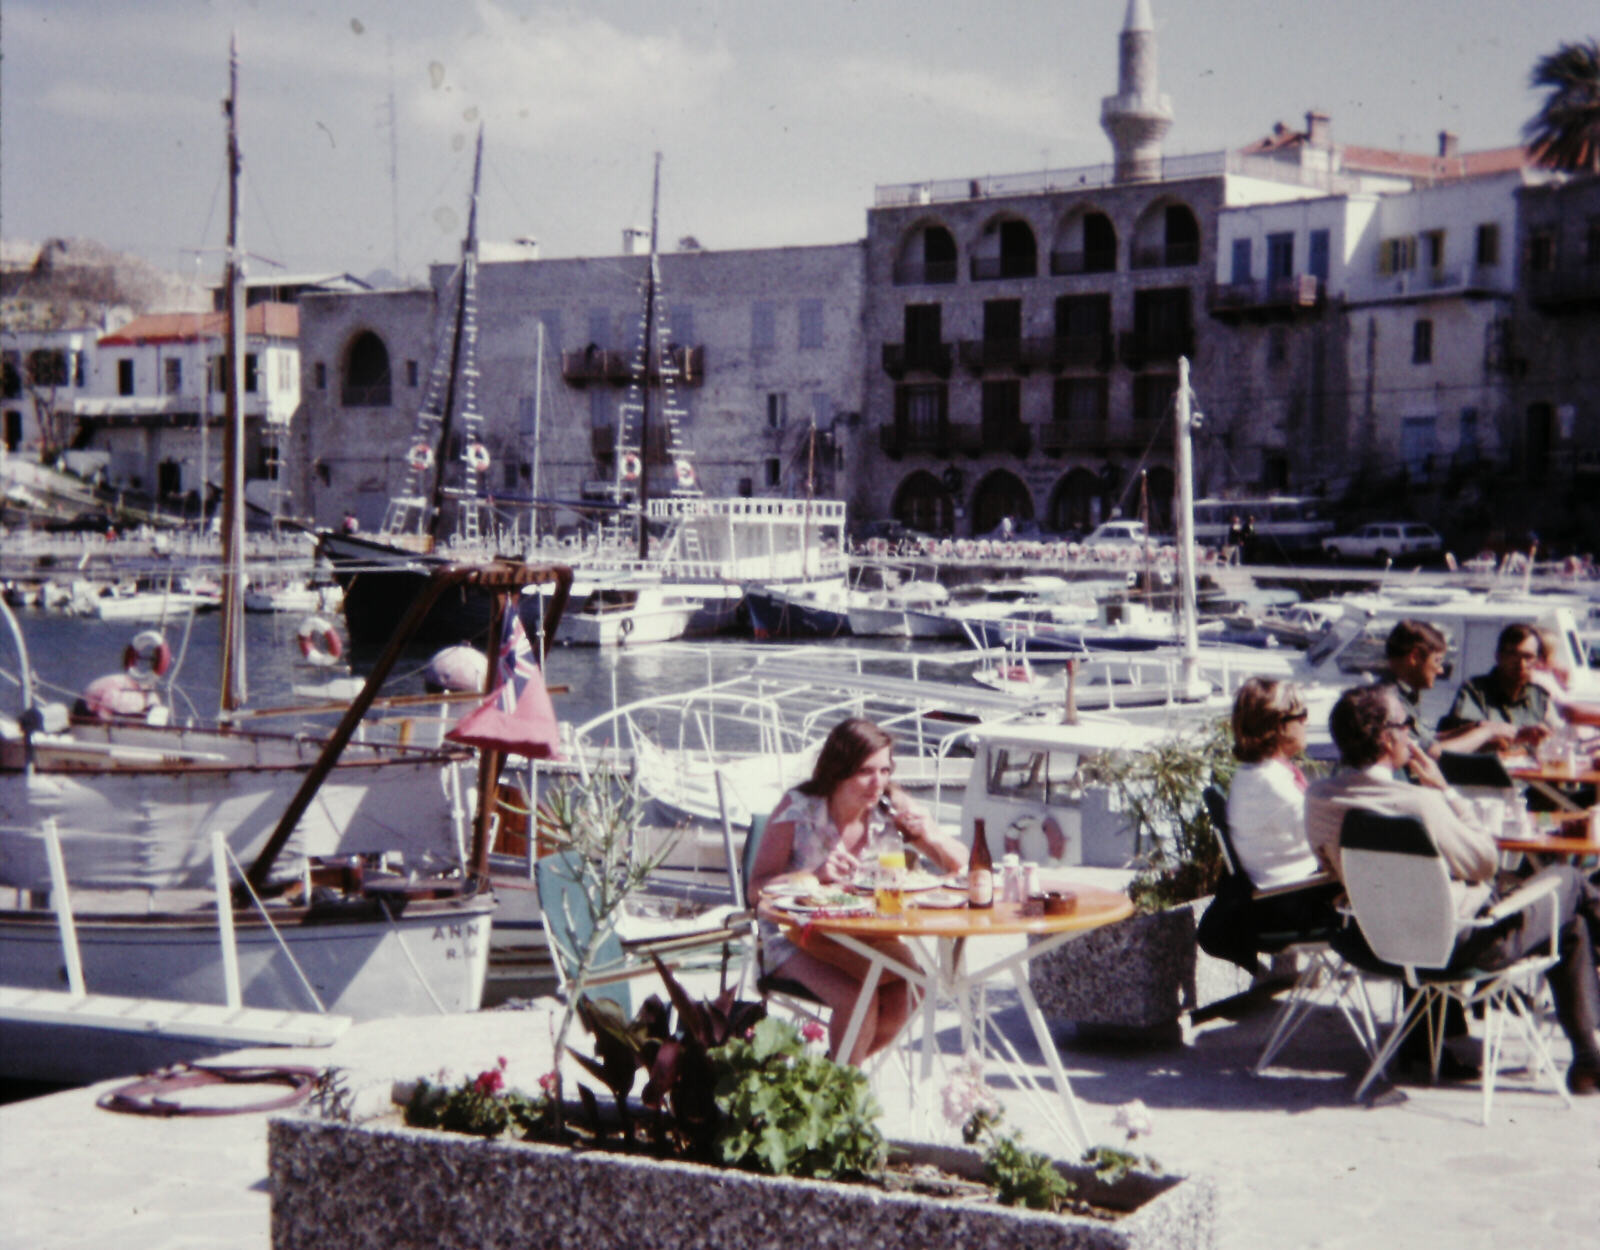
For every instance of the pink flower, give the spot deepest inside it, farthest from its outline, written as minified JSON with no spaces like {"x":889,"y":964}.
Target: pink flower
{"x":502,"y":1062}
{"x":489,"y":1083}
{"x":548,"y":1082}
{"x":812,"y":1031}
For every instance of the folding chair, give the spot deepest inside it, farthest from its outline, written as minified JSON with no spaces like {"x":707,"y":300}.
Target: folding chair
{"x":1399,"y":890}
{"x":1322,"y":966}
{"x":569,"y":926}
{"x":787,"y":993}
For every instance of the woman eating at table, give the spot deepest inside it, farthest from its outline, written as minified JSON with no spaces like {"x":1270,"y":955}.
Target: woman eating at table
{"x":824,"y":827}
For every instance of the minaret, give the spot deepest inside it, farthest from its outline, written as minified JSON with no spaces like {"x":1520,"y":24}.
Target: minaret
{"x":1138,"y":116}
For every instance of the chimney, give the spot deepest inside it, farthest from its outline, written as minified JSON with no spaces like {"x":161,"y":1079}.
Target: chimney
{"x":1319,"y":129}
{"x":1449,"y":145}
{"x":635,"y":242}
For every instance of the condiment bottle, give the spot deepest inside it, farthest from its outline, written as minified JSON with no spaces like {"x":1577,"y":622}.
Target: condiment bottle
{"x":980,"y":870}
{"x":1010,"y":878}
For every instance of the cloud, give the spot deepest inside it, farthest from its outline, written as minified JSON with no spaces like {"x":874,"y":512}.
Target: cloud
{"x":564,"y":77}
{"x":874,"y":84}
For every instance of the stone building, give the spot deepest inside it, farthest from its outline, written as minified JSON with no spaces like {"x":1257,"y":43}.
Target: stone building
{"x":760,"y":346}
{"x":1023,"y":333}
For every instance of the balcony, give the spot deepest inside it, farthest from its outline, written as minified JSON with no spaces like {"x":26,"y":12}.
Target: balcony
{"x":900,"y":359}
{"x":1092,"y":260}
{"x":1265,"y":298}
{"x":1138,"y":348}
{"x":1080,"y":351}
{"x":683,"y":365}
{"x":942,"y":442}
{"x":925,"y":272}
{"x":1566,"y":290}
{"x":981,"y":355}
{"x":1166,"y":256}
{"x":1056,"y":438}
{"x":1013,"y":265}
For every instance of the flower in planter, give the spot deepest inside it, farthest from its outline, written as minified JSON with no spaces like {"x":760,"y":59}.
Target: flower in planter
{"x":1133,"y":1118}
{"x":811,"y":1031}
{"x":966,"y":1094}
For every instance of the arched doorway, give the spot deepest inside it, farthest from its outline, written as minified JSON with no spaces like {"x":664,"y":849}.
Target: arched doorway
{"x":923,"y":504}
{"x":1000,"y":495}
{"x":1077,"y":503}
{"x":366,"y":373}
{"x":927,"y":255}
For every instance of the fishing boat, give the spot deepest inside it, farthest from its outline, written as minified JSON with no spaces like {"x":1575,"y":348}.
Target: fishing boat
{"x":441,"y":513}
{"x":629,"y":612}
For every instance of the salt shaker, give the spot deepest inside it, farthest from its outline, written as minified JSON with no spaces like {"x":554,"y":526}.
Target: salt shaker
{"x":1010,"y":878}
{"x":1030,"y":880}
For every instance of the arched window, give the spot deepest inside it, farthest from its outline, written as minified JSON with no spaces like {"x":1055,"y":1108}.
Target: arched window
{"x":1085,"y":243}
{"x":1001,"y":494}
{"x":1005,"y":249}
{"x":922,"y":503}
{"x":1167,"y":235}
{"x":927,"y":256}
{"x":366,"y":373}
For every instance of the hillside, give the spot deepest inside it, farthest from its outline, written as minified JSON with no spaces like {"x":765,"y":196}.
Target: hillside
{"x":72,"y":282}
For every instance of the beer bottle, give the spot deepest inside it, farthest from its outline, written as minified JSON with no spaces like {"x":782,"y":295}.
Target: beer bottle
{"x":980,"y":870}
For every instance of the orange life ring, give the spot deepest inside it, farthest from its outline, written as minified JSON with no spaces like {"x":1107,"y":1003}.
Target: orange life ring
{"x":477,"y":457}
{"x":147,"y":653}
{"x":320,"y":643}
{"x":685,"y":472}
{"x":420,"y":457}
{"x":630,"y":467}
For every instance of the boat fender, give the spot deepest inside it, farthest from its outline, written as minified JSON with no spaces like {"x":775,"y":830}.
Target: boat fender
{"x":685,"y":472}
{"x":420,"y":457}
{"x":147,"y":654}
{"x":1016,"y":672}
{"x":625,"y":626}
{"x":630,"y":467}
{"x":477,"y":457}
{"x":319,"y":641}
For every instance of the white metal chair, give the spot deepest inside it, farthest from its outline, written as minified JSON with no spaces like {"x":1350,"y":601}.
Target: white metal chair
{"x":1399,"y":890}
{"x":1323,"y":973}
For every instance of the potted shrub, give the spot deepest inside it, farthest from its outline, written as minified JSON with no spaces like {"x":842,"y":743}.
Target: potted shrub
{"x":1137,"y":978}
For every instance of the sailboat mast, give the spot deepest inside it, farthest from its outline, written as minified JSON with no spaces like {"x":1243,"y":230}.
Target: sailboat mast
{"x":538,"y":399}
{"x":1185,"y":457}
{"x":649,"y":359}
{"x":469,"y":254}
{"x":234,"y":687}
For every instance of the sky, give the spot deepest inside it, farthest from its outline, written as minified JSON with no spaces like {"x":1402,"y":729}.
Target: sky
{"x":775,"y":118}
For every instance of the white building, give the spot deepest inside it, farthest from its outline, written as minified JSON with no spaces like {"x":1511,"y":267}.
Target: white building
{"x":45,"y":373}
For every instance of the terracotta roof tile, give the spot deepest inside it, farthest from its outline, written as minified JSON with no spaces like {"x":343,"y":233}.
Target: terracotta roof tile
{"x":279,"y":321}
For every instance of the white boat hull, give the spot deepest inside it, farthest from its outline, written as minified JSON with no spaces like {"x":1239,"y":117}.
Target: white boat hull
{"x":626,"y":628}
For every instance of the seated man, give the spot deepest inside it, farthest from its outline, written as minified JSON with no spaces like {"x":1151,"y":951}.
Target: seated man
{"x":1507,"y":695}
{"x":1370,"y":729}
{"x":1415,"y":652}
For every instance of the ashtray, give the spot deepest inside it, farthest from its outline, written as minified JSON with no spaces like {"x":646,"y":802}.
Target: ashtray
{"x":1060,"y":903}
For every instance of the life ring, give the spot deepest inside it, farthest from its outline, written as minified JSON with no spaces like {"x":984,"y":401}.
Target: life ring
{"x":320,"y":643}
{"x":685,"y":472}
{"x":630,"y":467}
{"x":1016,"y":672}
{"x":420,"y":457}
{"x":147,"y":654}
{"x":625,"y":626}
{"x":477,"y":457}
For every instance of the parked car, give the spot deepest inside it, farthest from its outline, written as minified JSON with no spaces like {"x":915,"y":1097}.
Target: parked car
{"x":1384,"y":540}
{"x":1021,"y":531}
{"x":1122,"y":534}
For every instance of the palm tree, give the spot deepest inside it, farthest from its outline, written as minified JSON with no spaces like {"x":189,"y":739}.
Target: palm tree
{"x":1565,"y":133}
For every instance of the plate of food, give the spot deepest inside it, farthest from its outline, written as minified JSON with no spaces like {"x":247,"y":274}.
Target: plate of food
{"x":822,"y":901}
{"x":941,"y":898}
{"x":917,"y":880}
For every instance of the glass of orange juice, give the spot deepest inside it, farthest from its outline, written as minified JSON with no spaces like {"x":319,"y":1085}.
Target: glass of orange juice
{"x":890,"y":891}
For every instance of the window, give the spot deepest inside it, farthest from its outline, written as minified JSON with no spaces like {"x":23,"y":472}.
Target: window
{"x":173,"y":380}
{"x":1152,"y":397}
{"x":821,"y":409}
{"x":79,"y":367}
{"x":774,"y":474}
{"x":1467,"y":436}
{"x":810,"y":324}
{"x":1280,"y":256}
{"x":1082,"y":401}
{"x":1241,"y":262}
{"x":511,"y":475}
{"x":1083,"y":316}
{"x":251,"y":362}
{"x":1319,"y":253}
{"x":125,"y":377}
{"x":319,"y":373}
{"x":47,"y":367}
{"x":1002,"y":413}
{"x":1017,"y":772}
{"x":411,"y":373}
{"x":1487,"y":251}
{"x":777,"y":410}
{"x":11,"y":368}
{"x":1422,"y":342}
{"x":747,"y":487}
{"x":1099,"y":244}
{"x":763,"y":327}
{"x":1397,"y":255}
{"x":366,"y":373}
{"x":1542,"y":251}
{"x":920,"y":411}
{"x":1433,"y":249}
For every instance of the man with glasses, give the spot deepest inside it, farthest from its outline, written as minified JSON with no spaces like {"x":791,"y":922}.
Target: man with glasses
{"x":1372,"y":732}
{"x":1507,"y":696}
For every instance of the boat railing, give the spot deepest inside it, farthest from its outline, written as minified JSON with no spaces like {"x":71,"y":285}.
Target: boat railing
{"x":221,"y":858}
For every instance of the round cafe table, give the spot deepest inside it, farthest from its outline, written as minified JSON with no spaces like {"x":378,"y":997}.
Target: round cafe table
{"x":950,"y":977}
{"x":1548,"y":777}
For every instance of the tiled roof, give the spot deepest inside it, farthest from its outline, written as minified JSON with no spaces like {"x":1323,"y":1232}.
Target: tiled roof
{"x":1353,"y":158}
{"x":278,"y":321}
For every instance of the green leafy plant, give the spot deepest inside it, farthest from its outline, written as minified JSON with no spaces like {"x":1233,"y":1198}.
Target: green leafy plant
{"x":792,"y":1112}
{"x":1020,"y":1177}
{"x":1158,"y":790}
{"x":481,"y":1106}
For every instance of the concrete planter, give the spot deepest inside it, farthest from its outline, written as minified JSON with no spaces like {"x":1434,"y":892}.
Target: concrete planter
{"x":359,"y":1187}
{"x":1136,"y":977}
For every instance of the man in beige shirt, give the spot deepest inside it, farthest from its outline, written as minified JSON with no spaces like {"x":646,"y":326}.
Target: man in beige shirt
{"x":1371,"y":730}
